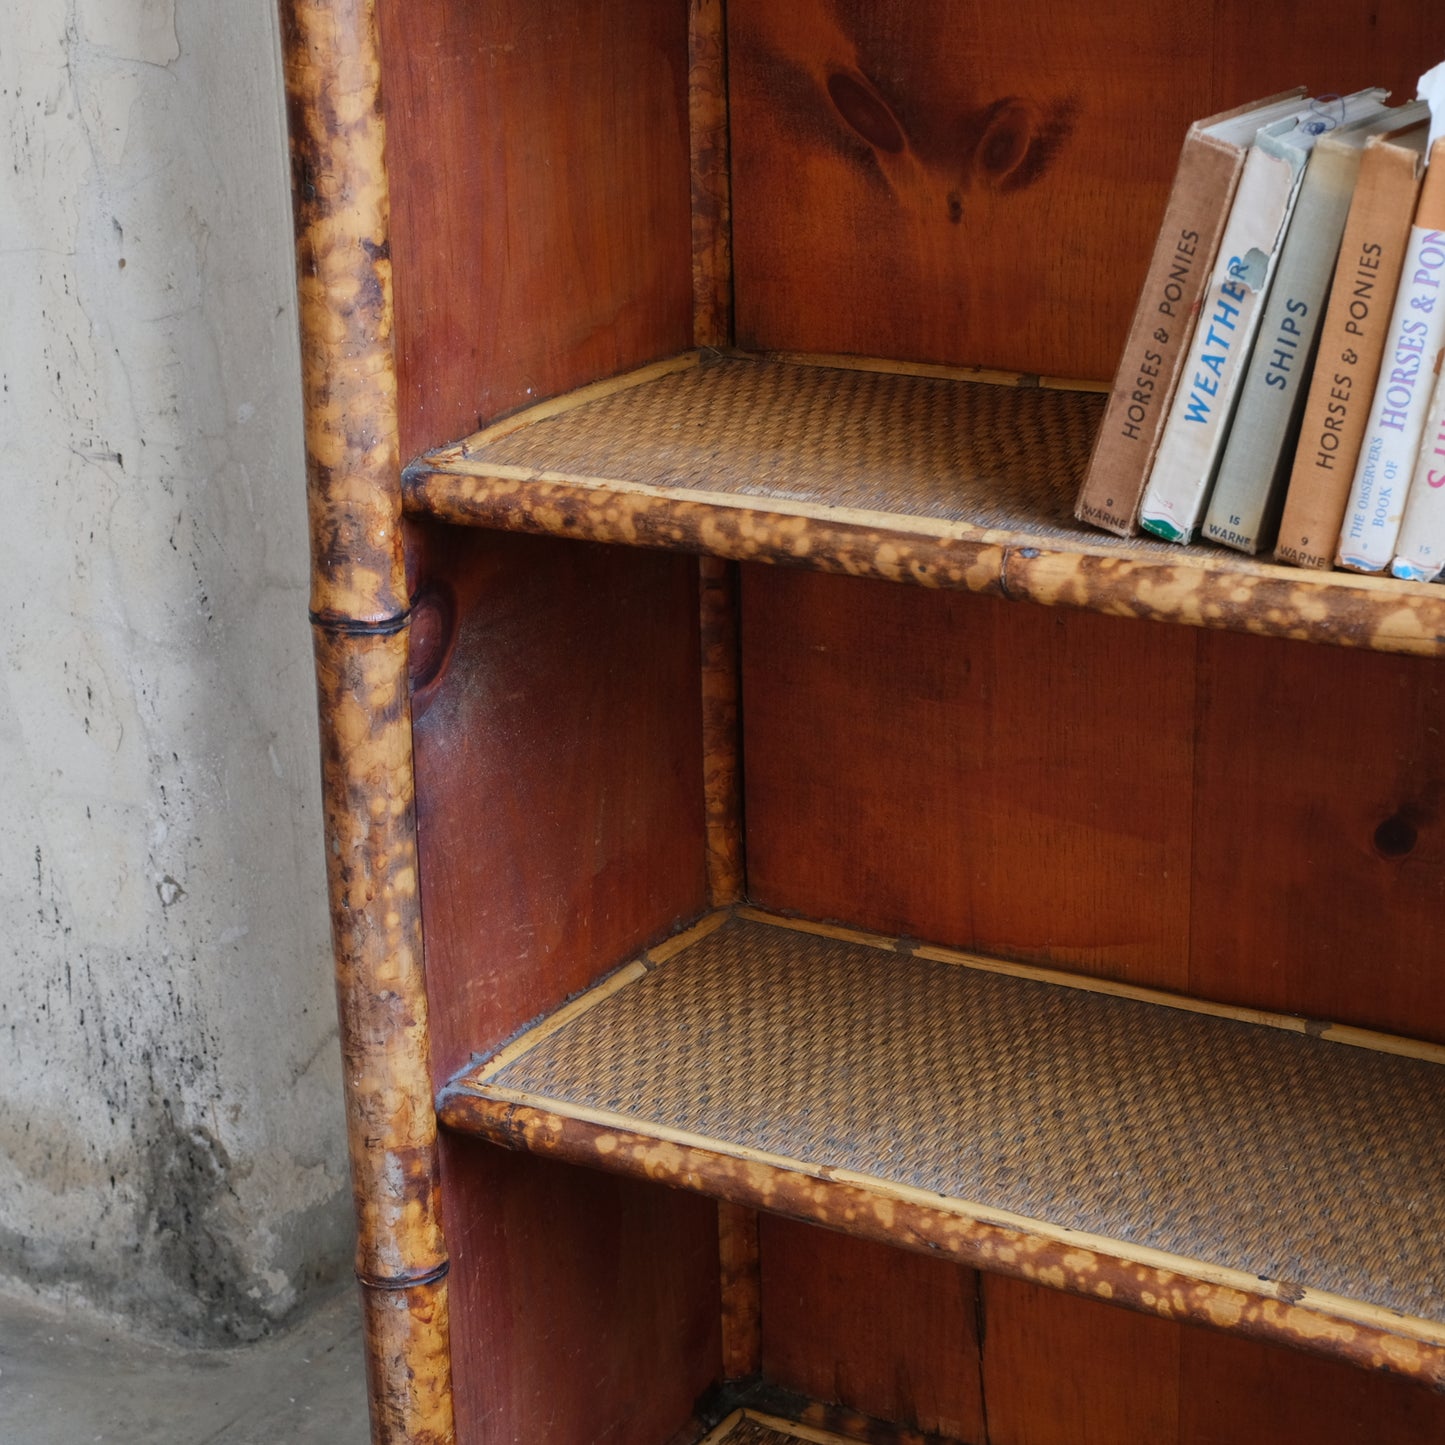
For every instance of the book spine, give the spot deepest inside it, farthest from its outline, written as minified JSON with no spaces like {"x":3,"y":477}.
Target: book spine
{"x":1352,"y":343}
{"x":1402,"y":394}
{"x":1209,"y":386}
{"x":1420,"y":554}
{"x":1259,"y":448}
{"x":1159,"y":334}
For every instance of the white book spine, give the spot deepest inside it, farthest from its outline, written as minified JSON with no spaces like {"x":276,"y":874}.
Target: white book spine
{"x":1229,"y":316}
{"x":1420,"y":552}
{"x":1271,"y":394}
{"x":1397,"y":413}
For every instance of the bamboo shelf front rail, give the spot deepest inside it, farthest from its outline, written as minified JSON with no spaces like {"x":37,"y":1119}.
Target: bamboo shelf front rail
{"x":922,"y":474}
{"x":1243,"y":1170}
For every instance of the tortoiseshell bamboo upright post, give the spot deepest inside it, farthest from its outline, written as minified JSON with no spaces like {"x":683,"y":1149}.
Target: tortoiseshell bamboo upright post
{"x":359,"y":612}
{"x":712,"y":309}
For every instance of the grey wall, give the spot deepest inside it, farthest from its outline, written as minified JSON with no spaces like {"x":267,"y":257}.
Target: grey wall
{"x":170,"y":1133}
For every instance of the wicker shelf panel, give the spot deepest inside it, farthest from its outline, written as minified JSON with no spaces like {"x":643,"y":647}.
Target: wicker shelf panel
{"x":749,"y":1428}
{"x":905,"y":474}
{"x":995,"y":456}
{"x":1242,"y":1156}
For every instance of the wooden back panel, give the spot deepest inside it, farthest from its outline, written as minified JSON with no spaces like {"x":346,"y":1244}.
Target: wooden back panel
{"x":1249,"y":820}
{"x":584,"y":1306}
{"x":558,"y":735}
{"x":1239,"y":818}
{"x":981,"y":184}
{"x":541,"y":235}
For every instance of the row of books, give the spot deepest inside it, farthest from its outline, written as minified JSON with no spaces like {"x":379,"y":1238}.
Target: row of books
{"x":1281,"y":375}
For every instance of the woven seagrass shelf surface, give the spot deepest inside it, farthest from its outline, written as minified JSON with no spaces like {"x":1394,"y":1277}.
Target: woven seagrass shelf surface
{"x":748,"y":1427}
{"x":1246,"y":1150}
{"x":913,"y":474}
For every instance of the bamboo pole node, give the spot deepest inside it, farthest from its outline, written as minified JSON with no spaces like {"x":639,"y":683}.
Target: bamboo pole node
{"x":404,"y":1281}
{"x":360,"y":627}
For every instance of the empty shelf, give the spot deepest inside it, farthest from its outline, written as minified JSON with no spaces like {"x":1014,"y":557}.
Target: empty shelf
{"x":1237,"y":1169}
{"x":914,"y":474}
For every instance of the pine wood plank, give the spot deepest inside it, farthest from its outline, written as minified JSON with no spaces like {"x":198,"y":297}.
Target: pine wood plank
{"x":1319,"y":852}
{"x":1004,"y":780}
{"x":1344,"y":48}
{"x":917,"y":163}
{"x":1234,"y":1389}
{"x":1064,"y":1371}
{"x":558,"y":773}
{"x":912,"y":162}
{"x":541,"y":227}
{"x":608,"y":1290}
{"x":879,"y":1330}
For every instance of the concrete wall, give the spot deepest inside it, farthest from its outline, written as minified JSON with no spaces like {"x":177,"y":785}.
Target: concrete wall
{"x":170,"y":1131}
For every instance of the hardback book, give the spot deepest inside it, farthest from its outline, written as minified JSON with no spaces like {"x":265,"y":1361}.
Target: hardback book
{"x":1402,"y":387}
{"x":1203,"y":406}
{"x":1248,"y":493}
{"x":1352,"y":342}
{"x":1204,"y":183}
{"x":1420,"y":552}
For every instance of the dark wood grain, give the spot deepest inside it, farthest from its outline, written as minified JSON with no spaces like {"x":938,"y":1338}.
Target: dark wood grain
{"x":559,"y":773}
{"x":969,"y":771}
{"x":1064,"y":1371}
{"x":585,"y":1305}
{"x":541,"y":232}
{"x":1319,"y":841}
{"x":878,"y":1330}
{"x":898,"y":172}
{"x":1061,"y":1371}
{"x":1345,"y":46}
{"x":981,"y":184}
{"x":1234,"y":1390}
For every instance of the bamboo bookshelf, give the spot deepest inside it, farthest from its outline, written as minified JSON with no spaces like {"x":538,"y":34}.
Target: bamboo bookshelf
{"x":923,"y":474}
{"x":1206,"y":1163}
{"x":778,"y":1004}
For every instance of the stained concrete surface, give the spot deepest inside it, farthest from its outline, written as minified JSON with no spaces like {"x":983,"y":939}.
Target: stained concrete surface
{"x":67,"y":1380}
{"x":172,"y":1140}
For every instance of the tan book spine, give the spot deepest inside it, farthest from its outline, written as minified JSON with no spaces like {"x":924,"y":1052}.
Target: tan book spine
{"x":1159,"y":335}
{"x":1352,"y":344}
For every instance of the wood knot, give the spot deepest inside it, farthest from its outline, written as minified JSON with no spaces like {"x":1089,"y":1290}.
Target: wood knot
{"x":866,"y":111}
{"x":1396,"y":837}
{"x":433,"y":626}
{"x":1017,"y":140}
